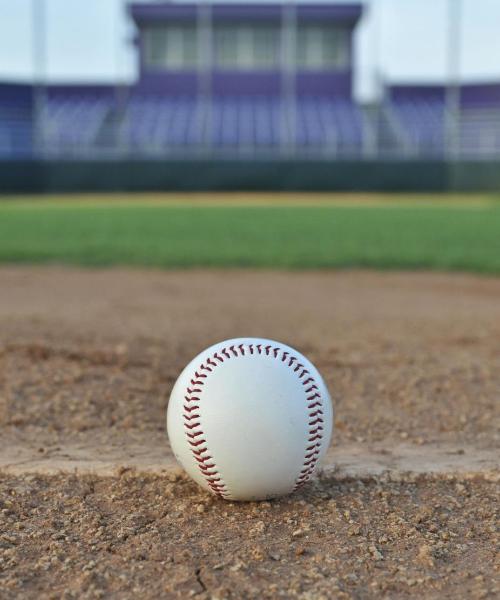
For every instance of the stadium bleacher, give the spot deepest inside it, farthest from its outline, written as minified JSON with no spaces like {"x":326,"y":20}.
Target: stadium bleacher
{"x":239,"y":107}
{"x":480,"y":132}
{"x":421,"y":117}
{"x":156,"y":123}
{"x":153,"y":123}
{"x":81,"y":122}
{"x":72,"y":121}
{"x":422,"y":124}
{"x":480,"y":121}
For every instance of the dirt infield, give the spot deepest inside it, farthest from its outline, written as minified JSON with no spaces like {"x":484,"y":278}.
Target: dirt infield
{"x":92,"y":505}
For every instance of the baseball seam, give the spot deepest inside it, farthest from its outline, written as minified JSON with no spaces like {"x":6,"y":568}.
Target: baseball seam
{"x":192,"y":419}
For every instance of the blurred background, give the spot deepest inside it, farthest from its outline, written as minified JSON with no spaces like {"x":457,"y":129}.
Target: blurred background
{"x":381,"y":94}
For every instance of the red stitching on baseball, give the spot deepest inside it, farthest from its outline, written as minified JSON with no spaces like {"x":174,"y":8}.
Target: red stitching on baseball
{"x":206,"y":467}
{"x":311,"y":454}
{"x":313,"y":405}
{"x":194,"y":430}
{"x":198,"y":452}
{"x":317,"y":445}
{"x":310,"y":389}
{"x":198,"y":442}
{"x":191,"y":399}
{"x":207,"y":470}
{"x":316,"y":429}
{"x":191,"y":418}
{"x":191,"y":425}
{"x":202,"y":459}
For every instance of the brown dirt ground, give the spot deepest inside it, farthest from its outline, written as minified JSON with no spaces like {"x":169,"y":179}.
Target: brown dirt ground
{"x":87,"y":360}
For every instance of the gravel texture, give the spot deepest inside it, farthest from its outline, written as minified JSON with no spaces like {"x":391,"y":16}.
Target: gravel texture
{"x":88,"y":358}
{"x":150,"y":537}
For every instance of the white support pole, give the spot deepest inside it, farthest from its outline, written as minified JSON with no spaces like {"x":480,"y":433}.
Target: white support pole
{"x":453,"y":92}
{"x":120,"y":139}
{"x":205,"y":68}
{"x":376,"y":12}
{"x":289,"y":83}
{"x":371,"y":141}
{"x":39,"y":27}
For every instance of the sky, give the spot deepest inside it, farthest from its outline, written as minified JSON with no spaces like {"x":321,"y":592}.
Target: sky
{"x":397,"y":41}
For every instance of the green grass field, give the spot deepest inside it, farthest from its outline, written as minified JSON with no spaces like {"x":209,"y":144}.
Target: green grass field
{"x":296,"y":231}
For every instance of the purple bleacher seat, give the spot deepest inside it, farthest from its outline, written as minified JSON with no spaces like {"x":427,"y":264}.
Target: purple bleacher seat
{"x":72,"y":122}
{"x":422,"y":123}
{"x":323,"y":124}
{"x":154,"y":123}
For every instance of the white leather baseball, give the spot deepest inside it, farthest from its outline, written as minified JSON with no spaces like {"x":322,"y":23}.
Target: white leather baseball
{"x":250,"y":419}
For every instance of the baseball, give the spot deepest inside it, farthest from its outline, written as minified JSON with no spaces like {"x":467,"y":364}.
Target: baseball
{"x":250,"y":419}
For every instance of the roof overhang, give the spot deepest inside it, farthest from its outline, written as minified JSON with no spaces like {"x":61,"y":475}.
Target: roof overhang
{"x":147,"y":13}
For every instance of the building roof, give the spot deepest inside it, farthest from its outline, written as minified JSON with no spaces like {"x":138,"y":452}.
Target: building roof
{"x":159,"y":11}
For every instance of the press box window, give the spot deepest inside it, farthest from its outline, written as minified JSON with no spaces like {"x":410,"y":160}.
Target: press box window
{"x":320,"y":47}
{"x":171,"y":48}
{"x":245,"y":47}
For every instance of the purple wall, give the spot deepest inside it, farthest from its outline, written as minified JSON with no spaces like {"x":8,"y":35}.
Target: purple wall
{"x":234,"y":83}
{"x":481,"y":94}
{"x":20,"y":94}
{"x":167,"y":83}
{"x":400,"y":93}
{"x":472,"y":94}
{"x":79,"y":90}
{"x":229,"y":83}
{"x":327,"y":84}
